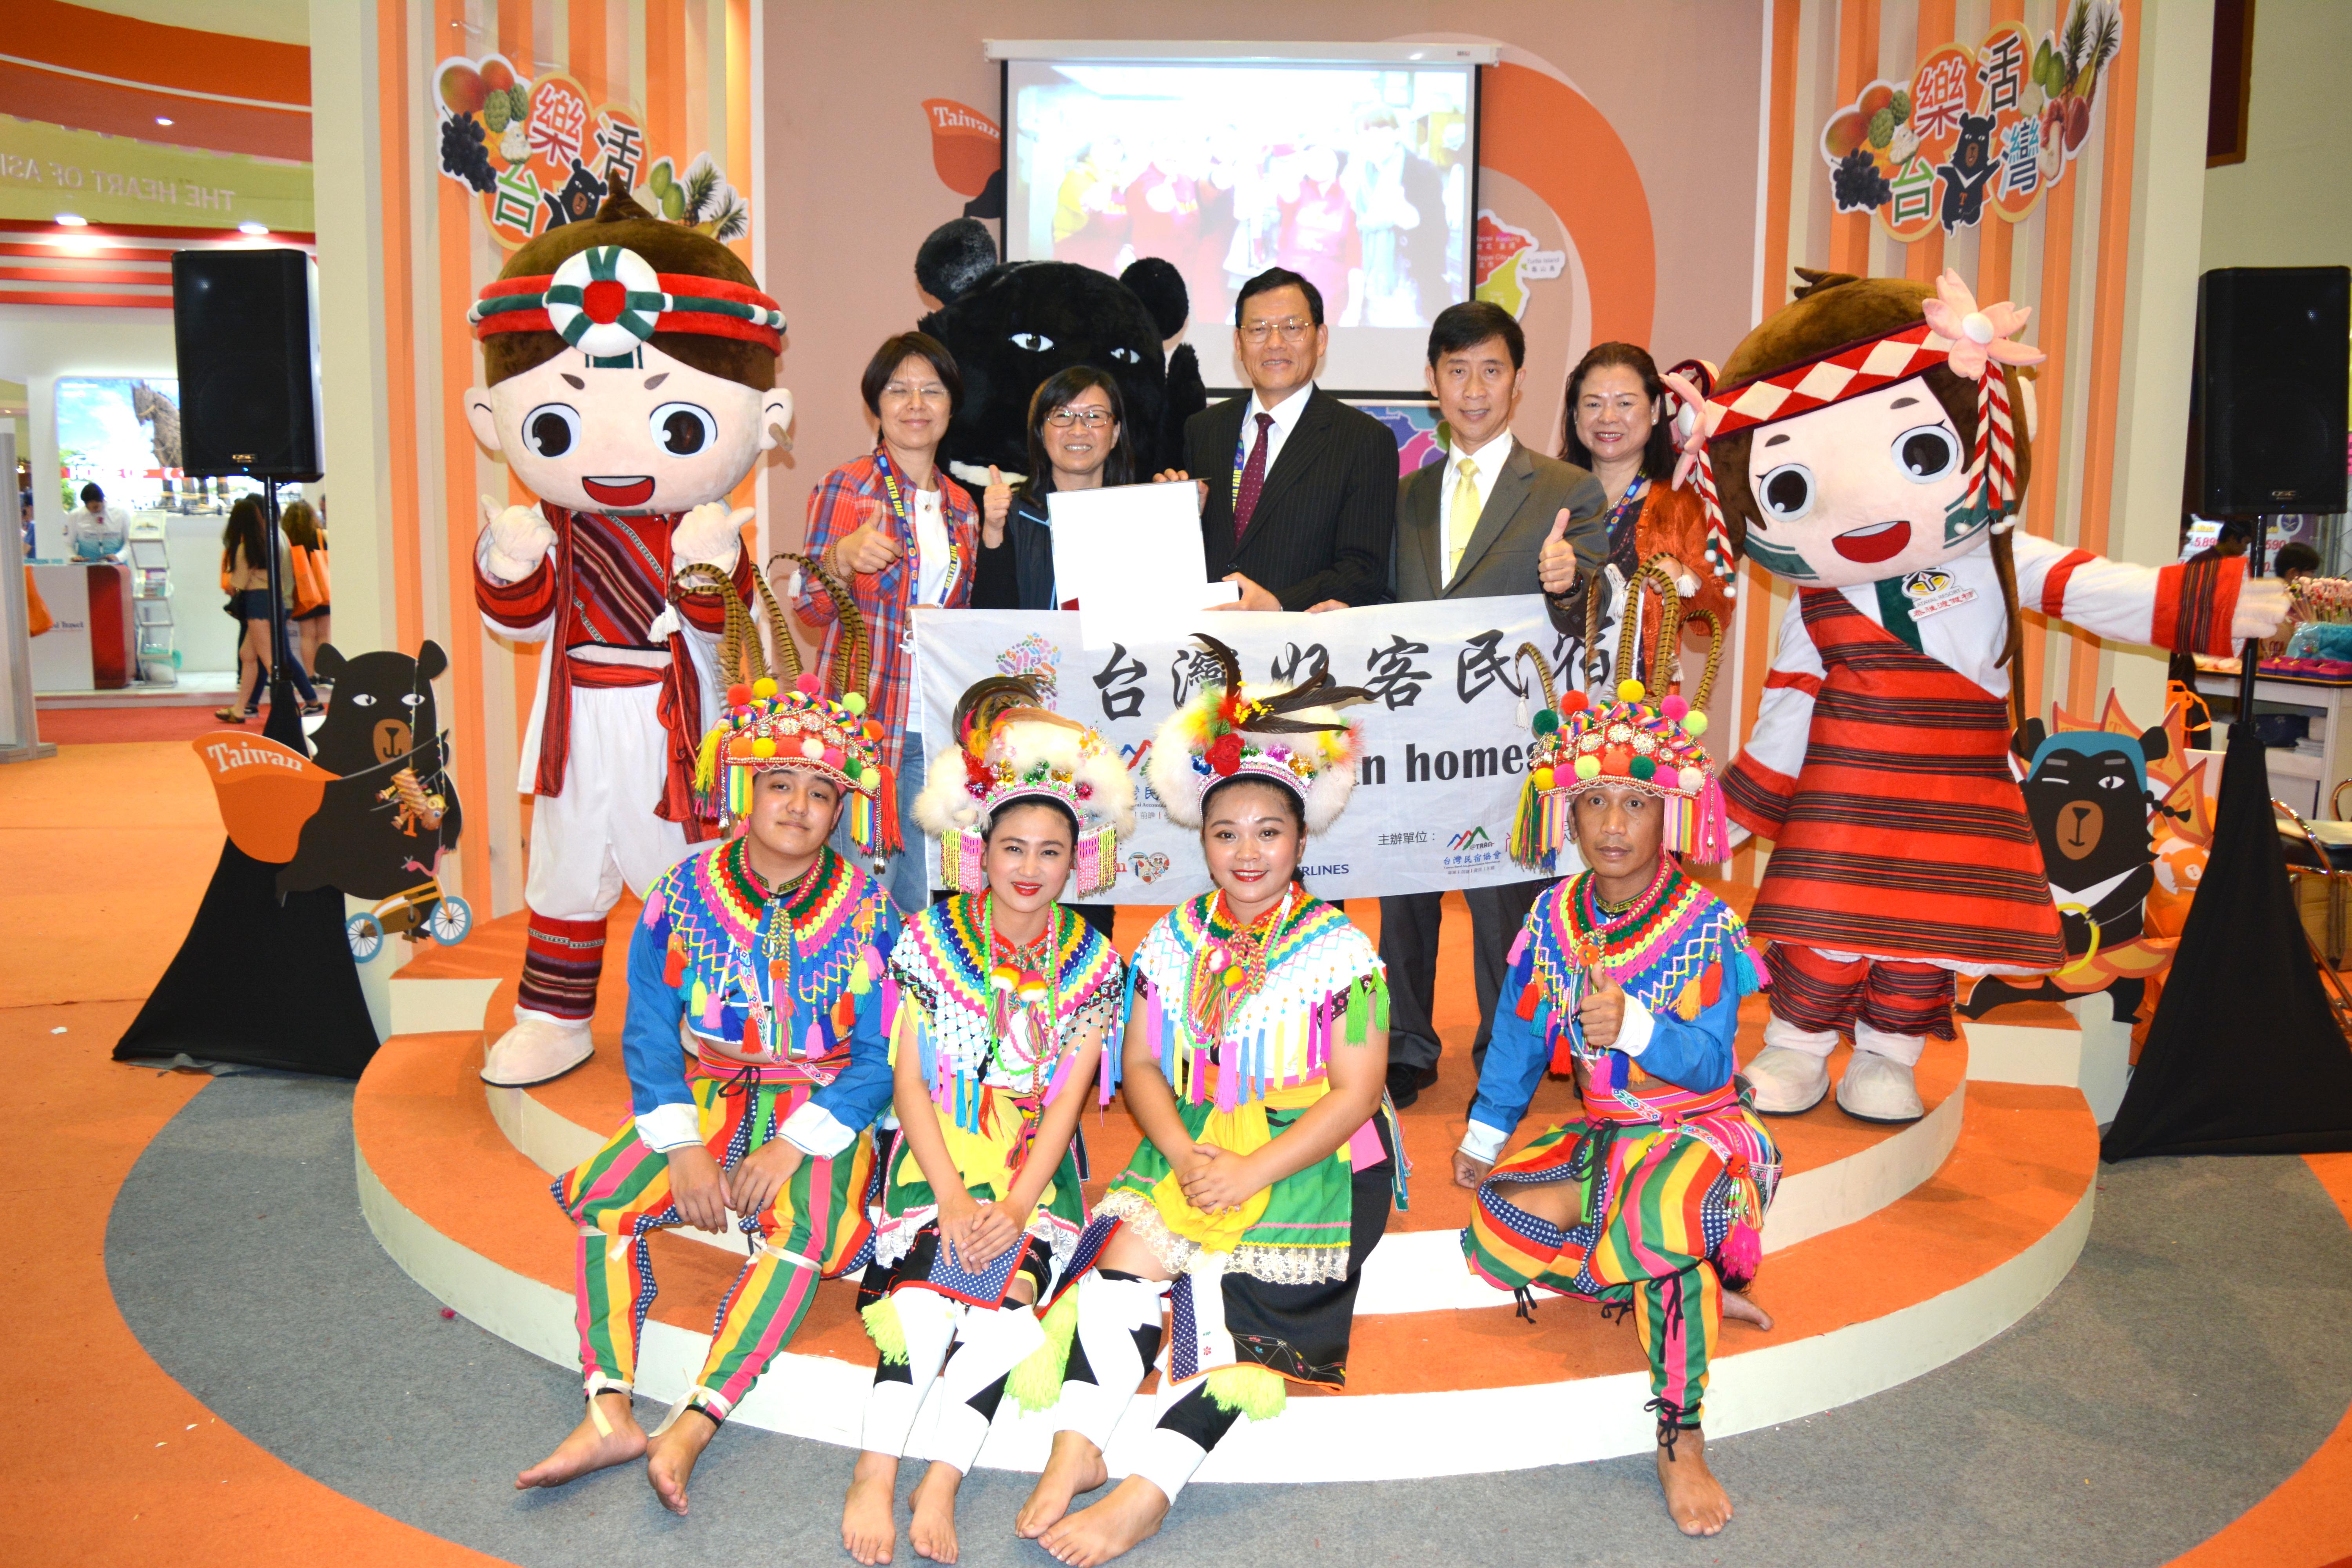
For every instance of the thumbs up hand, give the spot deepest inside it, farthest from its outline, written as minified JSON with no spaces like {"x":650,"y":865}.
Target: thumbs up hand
{"x":996,"y":505}
{"x":1603,"y":1012}
{"x":1556,"y":566}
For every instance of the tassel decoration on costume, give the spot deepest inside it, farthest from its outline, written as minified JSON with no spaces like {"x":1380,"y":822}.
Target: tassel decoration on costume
{"x":674,"y":965}
{"x":1256,"y":1392}
{"x":888,"y":1332}
{"x":883,"y":836}
{"x":1036,"y":1383}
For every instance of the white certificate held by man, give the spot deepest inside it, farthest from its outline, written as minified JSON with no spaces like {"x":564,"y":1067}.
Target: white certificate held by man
{"x":1132,"y":550}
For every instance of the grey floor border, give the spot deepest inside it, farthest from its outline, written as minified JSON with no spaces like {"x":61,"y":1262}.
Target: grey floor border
{"x":2191,"y":1362}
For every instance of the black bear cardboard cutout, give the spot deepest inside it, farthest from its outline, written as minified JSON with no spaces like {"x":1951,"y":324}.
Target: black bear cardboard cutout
{"x":381,"y":826}
{"x":1014,"y":324}
{"x":2090,"y":806}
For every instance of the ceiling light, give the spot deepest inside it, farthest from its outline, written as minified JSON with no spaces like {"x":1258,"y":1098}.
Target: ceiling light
{"x":252,"y":226}
{"x":162,"y":120}
{"x":72,"y":220}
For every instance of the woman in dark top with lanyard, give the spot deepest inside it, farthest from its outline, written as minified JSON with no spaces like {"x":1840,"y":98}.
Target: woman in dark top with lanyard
{"x":1074,"y":444}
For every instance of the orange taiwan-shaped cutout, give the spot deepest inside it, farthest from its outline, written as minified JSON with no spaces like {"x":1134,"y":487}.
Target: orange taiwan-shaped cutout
{"x":267,"y":790}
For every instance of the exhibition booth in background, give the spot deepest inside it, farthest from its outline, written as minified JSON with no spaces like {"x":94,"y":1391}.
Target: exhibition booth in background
{"x":1653,"y":174}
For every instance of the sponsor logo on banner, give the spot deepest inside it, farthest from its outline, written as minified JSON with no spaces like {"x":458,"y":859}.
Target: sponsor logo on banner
{"x":1442,"y":743}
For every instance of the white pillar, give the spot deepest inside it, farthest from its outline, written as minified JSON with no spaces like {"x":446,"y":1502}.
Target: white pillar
{"x":347,"y":198}
{"x":2151,"y":434}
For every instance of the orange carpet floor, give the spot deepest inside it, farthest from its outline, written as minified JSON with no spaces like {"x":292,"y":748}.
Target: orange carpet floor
{"x":104,"y":852}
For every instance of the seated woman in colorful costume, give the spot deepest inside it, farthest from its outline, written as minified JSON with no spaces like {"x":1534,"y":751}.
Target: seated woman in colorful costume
{"x":1257,"y":1049}
{"x":761,"y":954}
{"x":1630,"y":975}
{"x":1001,"y":998}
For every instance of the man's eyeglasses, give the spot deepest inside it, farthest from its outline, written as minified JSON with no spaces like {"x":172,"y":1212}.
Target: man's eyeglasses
{"x":1092,"y":418}
{"x":1292,"y":329}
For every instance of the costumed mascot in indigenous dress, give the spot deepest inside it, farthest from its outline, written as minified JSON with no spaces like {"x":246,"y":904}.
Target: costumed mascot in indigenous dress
{"x":1002,"y":996}
{"x":630,"y":367}
{"x":1256,"y":1055}
{"x":762,"y":956}
{"x":1862,"y":442}
{"x":1630,"y":975}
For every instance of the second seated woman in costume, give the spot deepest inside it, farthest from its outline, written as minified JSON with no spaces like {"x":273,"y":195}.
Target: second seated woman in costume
{"x":1003,"y":998}
{"x":1255,"y":1052}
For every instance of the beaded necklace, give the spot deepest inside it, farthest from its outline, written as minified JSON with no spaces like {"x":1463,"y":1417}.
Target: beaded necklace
{"x":768,"y":1028}
{"x":1599,"y":932}
{"x":1230,"y":967}
{"x":1023,"y":976}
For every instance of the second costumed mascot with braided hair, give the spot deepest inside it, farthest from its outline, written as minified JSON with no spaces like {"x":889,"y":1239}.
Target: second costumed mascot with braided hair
{"x":1003,"y":998}
{"x":1630,"y":976}
{"x":630,"y":384}
{"x":1862,"y":440}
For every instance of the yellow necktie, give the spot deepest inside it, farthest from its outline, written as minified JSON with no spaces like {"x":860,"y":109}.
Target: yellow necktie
{"x":1464,"y":521}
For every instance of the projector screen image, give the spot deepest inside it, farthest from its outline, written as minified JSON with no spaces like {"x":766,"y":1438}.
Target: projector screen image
{"x":1357,"y":177}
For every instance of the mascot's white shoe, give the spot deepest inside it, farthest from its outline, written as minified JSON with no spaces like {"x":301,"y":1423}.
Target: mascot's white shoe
{"x":1875,"y":1088}
{"x":536,"y":1050}
{"x":1786,"y":1081}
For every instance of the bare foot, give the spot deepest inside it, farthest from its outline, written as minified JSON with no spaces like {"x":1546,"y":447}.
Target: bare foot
{"x":1694,"y":1496}
{"x":588,"y":1449}
{"x":1113,"y":1527}
{"x":869,"y":1524}
{"x":1740,"y":1309}
{"x":1075,"y":1466}
{"x":933,"y":1532}
{"x":669,"y":1458}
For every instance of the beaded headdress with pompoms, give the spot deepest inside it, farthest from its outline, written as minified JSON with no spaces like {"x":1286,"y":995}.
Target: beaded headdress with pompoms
{"x":784,"y":719}
{"x":1295,"y":738}
{"x":1648,"y":741}
{"x":1012,"y":748}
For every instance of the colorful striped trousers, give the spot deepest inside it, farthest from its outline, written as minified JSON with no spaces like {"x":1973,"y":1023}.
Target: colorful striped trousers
{"x":1656,"y":1206}
{"x":621,"y":1196}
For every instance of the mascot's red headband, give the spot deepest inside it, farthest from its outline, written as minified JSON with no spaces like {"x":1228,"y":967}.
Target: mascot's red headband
{"x":607,"y":301}
{"x":1954,"y":332}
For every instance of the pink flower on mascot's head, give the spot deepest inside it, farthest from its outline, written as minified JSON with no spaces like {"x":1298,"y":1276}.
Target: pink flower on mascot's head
{"x":1859,"y":437}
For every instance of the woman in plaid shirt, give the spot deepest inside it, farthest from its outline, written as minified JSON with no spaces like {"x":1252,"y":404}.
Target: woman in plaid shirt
{"x":900,"y":534}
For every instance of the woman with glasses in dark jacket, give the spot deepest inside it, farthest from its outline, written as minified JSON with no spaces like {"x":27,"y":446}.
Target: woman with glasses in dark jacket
{"x":1074,"y":418}
{"x":1074,"y":444}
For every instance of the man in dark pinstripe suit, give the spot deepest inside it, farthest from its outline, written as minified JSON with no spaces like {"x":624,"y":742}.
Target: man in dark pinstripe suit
{"x":1297,"y":489}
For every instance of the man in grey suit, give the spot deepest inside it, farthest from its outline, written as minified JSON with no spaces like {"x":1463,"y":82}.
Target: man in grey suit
{"x":1493,"y":519}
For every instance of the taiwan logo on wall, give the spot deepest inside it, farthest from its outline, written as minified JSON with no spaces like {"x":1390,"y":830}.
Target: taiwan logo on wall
{"x":1974,"y":130}
{"x":536,"y":155}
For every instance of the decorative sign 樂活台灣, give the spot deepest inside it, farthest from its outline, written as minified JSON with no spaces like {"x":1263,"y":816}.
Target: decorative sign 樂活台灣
{"x":537,"y":155}
{"x":1988,"y":130}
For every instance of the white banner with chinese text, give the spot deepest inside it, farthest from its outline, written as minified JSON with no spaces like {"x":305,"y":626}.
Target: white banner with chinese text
{"x":1445,"y":753}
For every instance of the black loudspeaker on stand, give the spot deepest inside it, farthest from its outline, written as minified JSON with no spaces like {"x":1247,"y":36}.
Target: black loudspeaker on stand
{"x":2245,"y":1055}
{"x":2267,"y":408}
{"x":260,"y":980}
